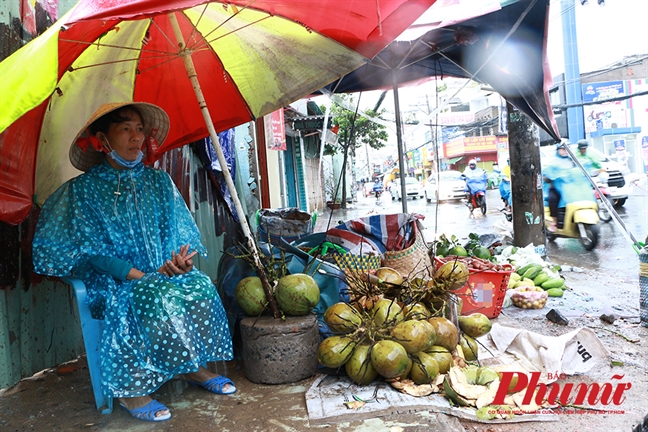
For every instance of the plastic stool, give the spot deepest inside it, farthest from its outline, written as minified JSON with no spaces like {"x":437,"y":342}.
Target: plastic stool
{"x":91,"y":329}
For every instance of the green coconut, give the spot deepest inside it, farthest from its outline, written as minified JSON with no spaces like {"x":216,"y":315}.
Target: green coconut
{"x":250,"y":296}
{"x":475,"y":325}
{"x":425,"y":368}
{"x":442,"y":356}
{"x":417,"y":311}
{"x":452,"y":275}
{"x":297,"y":294}
{"x":405,"y":374}
{"x":447,"y":334}
{"x":469,"y":347}
{"x":385,"y":310}
{"x":359,"y":367}
{"x":486,"y":375}
{"x":452,"y":394}
{"x":414,"y":335}
{"x":389,"y":358}
{"x":342,"y":318}
{"x":334,"y":351}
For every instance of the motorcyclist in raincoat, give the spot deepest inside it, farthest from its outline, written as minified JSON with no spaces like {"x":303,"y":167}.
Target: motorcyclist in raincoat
{"x":589,"y":162}
{"x":476,"y":179}
{"x":564,"y":183}
{"x":505,"y":185}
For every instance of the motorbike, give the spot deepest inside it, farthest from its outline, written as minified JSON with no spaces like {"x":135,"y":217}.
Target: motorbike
{"x":505,"y":194}
{"x":603,"y":213}
{"x":378,"y":190}
{"x":476,"y":188}
{"x":600,"y":178}
{"x":579,"y":219}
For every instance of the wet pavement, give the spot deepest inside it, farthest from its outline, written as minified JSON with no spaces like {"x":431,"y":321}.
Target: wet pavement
{"x":602,"y":281}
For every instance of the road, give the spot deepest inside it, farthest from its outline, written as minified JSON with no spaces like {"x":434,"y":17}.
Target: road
{"x":613,"y":261}
{"x":453,"y":217}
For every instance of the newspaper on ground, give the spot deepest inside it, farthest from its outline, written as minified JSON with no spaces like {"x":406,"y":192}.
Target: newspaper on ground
{"x":330,"y":398}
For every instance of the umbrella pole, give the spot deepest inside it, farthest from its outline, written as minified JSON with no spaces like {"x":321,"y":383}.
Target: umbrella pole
{"x":252,"y":247}
{"x":399,"y":144}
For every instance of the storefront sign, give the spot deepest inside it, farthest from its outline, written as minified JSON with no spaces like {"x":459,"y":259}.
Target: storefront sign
{"x":416,"y":155}
{"x":429,"y":150}
{"x":278,"y":135}
{"x":593,"y":92}
{"x":609,"y":115}
{"x":469,"y":145}
{"x":453,"y":148}
{"x":480,"y":144}
{"x":456,"y":118}
{"x":622,"y":156}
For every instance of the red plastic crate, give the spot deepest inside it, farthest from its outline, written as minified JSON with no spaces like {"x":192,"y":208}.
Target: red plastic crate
{"x":484,"y":292}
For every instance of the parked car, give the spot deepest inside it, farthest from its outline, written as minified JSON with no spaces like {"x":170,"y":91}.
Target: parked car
{"x":618,"y":188}
{"x":451,"y":187}
{"x":412,"y":187}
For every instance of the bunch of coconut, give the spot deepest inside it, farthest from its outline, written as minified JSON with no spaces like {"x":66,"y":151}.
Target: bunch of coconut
{"x":426,"y":286}
{"x":296,"y":295}
{"x":388,"y":340}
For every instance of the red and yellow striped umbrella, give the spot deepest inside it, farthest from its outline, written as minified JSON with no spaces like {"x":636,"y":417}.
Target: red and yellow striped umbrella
{"x":251,"y":58}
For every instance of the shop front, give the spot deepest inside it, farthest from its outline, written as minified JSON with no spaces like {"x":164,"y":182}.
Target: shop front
{"x":487,"y":150}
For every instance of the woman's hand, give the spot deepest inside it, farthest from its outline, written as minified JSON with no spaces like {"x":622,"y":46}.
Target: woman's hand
{"x":183,"y":260}
{"x":180,"y":263}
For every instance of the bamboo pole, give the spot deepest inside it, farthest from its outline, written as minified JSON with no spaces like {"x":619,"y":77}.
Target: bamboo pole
{"x":193,"y":77}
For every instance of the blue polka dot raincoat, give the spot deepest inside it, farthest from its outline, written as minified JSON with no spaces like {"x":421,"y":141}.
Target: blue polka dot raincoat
{"x":154,"y":327}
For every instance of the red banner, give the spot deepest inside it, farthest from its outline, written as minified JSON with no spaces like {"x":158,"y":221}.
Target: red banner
{"x":278,"y":141}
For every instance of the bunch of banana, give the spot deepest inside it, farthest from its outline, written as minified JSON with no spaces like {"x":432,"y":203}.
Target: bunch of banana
{"x":535,"y":275}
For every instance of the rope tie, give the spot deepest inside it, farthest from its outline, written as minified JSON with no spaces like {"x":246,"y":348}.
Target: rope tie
{"x":643,"y":269}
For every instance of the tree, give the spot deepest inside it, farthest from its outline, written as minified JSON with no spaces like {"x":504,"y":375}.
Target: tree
{"x":355,"y":130}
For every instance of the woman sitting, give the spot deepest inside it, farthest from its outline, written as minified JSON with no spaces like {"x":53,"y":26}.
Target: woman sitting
{"x":125,"y":230}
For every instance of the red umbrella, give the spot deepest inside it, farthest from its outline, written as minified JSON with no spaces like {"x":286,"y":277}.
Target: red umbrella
{"x":209,"y":65}
{"x":251,"y":57}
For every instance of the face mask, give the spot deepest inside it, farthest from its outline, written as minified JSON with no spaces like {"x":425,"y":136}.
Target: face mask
{"x":123,"y":162}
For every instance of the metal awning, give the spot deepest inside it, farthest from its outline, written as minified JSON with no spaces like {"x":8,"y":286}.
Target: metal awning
{"x":310,"y":122}
{"x":454,"y":160}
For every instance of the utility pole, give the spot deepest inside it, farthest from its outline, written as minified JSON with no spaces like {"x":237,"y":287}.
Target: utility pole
{"x":369,"y":173}
{"x":526,"y":181}
{"x":433,"y":134}
{"x":573,"y":94}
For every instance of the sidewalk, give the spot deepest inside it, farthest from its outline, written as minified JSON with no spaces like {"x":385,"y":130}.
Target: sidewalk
{"x":61,"y":399}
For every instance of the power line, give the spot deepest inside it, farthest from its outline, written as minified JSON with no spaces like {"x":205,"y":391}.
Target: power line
{"x":610,"y":68}
{"x":618,"y":98}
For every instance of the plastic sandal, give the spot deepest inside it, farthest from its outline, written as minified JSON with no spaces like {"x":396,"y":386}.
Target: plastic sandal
{"x":215,"y":385}
{"x":147,"y":412}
